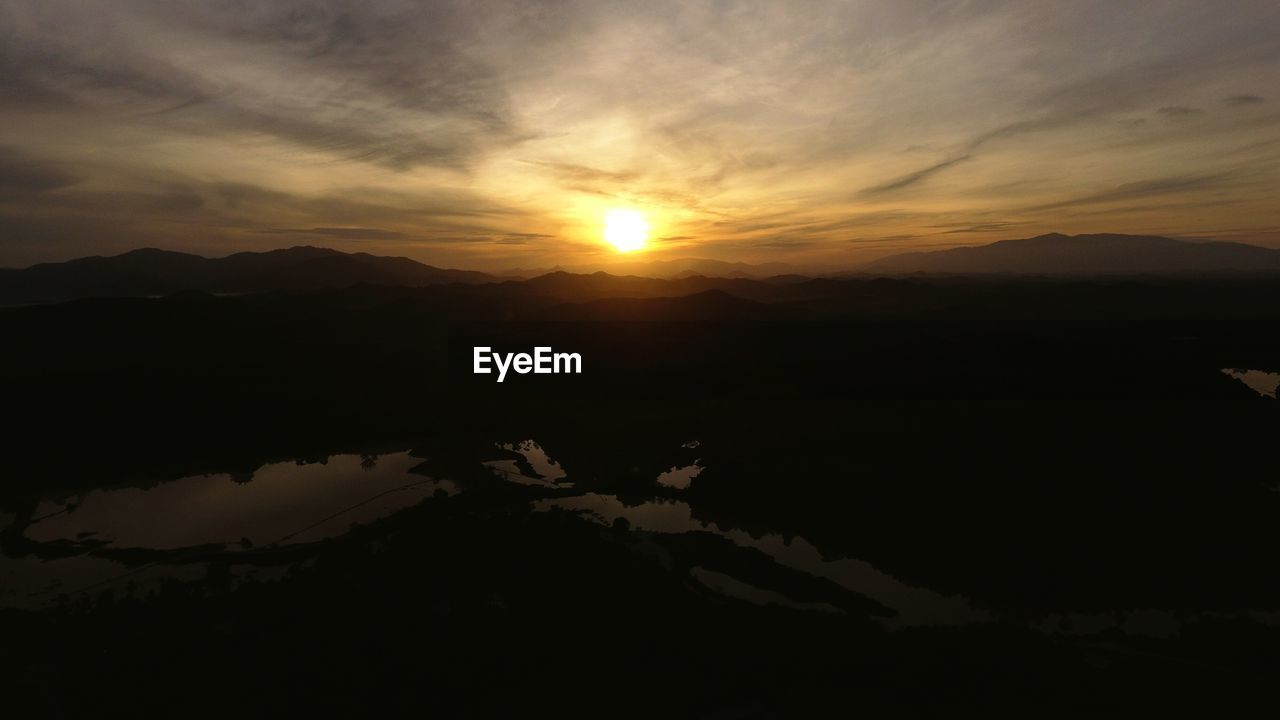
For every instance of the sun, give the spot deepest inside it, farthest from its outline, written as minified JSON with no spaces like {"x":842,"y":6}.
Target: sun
{"x":625,"y":230}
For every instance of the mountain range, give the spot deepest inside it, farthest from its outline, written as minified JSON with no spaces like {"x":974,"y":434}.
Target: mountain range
{"x":1085,"y":255}
{"x":675,"y":268}
{"x":152,"y":272}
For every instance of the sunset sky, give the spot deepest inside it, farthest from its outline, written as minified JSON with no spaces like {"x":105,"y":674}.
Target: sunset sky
{"x":494,"y":134}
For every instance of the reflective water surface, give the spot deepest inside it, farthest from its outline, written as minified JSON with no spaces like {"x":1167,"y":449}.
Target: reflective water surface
{"x":129,"y":540}
{"x":283,"y":502}
{"x":913,"y":605}
{"x":1266,"y":384}
{"x":680,"y":477}
{"x":87,"y":538}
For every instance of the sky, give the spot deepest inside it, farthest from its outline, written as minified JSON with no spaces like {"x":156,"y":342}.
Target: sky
{"x":495,"y":134}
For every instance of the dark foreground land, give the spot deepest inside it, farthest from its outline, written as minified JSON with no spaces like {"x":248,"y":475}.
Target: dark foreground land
{"x":915,"y":498}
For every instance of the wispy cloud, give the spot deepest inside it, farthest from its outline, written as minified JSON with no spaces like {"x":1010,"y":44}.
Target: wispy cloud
{"x":984,"y":228}
{"x":1177,"y":112}
{"x":912,"y":178}
{"x":21,"y":175}
{"x":344,"y":233}
{"x":474,"y":132}
{"x":1148,"y":188}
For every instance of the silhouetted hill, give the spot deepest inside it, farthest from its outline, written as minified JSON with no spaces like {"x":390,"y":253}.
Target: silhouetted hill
{"x":678,"y":268}
{"x":927,"y":446}
{"x":706,"y":306}
{"x":1057,"y":254}
{"x":597,"y":285}
{"x":160,"y":272}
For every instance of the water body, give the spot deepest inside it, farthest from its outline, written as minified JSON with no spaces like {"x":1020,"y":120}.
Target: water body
{"x":680,"y":478}
{"x":915,"y":606}
{"x":730,"y":586}
{"x":288,"y":504}
{"x":1266,"y":384}
{"x":282,"y":504}
{"x":538,"y":467}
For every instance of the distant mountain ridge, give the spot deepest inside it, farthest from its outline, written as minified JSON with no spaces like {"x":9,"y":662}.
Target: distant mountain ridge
{"x":153,"y":272}
{"x":150,"y":271}
{"x":1101,"y":254}
{"x":713,"y":305}
{"x":676,"y":268}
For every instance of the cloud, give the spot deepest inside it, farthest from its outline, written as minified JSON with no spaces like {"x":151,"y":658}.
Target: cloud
{"x":495,"y":126}
{"x":1177,"y":112}
{"x":1077,"y":100}
{"x":782,"y":243}
{"x":367,"y":82}
{"x":177,"y":199}
{"x":987,"y":227}
{"x":1148,"y":188}
{"x":356,"y":205}
{"x":21,"y":175}
{"x":912,"y":178}
{"x":341,"y":233}
{"x":572,"y":173}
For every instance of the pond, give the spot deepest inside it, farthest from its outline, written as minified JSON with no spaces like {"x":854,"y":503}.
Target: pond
{"x":131,"y":540}
{"x":1266,"y":384}
{"x":282,"y":504}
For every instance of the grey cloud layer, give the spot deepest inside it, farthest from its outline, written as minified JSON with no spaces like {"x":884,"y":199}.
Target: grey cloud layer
{"x":768,"y":124}
{"x":363,"y":81}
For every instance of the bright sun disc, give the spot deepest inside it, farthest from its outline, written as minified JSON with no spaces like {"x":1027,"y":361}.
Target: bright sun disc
{"x":625,"y":230}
